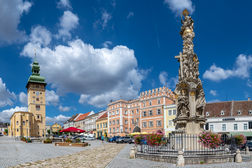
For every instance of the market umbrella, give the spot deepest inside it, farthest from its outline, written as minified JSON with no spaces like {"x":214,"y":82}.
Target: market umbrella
{"x":72,"y":129}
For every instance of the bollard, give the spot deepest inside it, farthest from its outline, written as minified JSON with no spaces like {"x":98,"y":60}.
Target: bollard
{"x":238,"y":158}
{"x":181,"y":160}
{"x":247,"y":150}
{"x":132,"y":153}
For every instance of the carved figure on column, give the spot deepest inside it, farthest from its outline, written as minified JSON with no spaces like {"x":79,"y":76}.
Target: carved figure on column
{"x":200,"y":103}
{"x":183,"y":105}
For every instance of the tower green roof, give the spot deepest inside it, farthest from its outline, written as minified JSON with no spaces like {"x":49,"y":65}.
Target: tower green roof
{"x":35,"y":77}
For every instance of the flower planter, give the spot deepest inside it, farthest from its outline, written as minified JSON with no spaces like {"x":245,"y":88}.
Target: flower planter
{"x":71,"y":144}
{"x":28,"y":141}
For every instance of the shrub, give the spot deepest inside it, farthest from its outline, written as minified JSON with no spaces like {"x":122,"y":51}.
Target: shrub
{"x":154,"y":139}
{"x":240,"y":139}
{"x":77,"y":140}
{"x":23,"y":139}
{"x":48,"y":140}
{"x":138,"y":138}
{"x":209,"y":139}
{"x":69,"y":140}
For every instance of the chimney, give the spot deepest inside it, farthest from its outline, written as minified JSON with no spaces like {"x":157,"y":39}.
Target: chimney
{"x":248,"y":98}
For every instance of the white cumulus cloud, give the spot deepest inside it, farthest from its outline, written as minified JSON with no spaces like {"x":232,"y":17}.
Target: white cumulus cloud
{"x":130,"y":14}
{"x":60,"y":119}
{"x":51,"y":98}
{"x":243,"y":64}
{"x":23,"y":98}
{"x":6,"y":114}
{"x":61,"y":108}
{"x":68,"y":22}
{"x":163,"y":78}
{"x":213,"y":92}
{"x":102,"y":73}
{"x":64,"y":4}
{"x":105,"y":44}
{"x":6,"y":96}
{"x":178,"y":6}
{"x":41,"y":35}
{"x":11,"y":12}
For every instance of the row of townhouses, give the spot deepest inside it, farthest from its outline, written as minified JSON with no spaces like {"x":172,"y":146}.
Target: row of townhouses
{"x":155,"y":110}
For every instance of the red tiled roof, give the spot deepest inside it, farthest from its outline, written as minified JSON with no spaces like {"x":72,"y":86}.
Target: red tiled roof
{"x":82,"y":116}
{"x":230,"y":108}
{"x":103,"y":116}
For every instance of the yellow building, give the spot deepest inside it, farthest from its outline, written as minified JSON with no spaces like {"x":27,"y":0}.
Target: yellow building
{"x":102,"y":125}
{"x":56,"y":127}
{"x":33,"y":122}
{"x":169,"y":115}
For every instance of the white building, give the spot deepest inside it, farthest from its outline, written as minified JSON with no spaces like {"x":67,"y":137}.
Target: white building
{"x":231,"y":117}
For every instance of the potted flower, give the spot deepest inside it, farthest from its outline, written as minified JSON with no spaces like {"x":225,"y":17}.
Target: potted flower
{"x":209,"y":139}
{"x":48,"y":140}
{"x":69,"y":140}
{"x":23,"y":139}
{"x":28,"y":140}
{"x":77,"y":140}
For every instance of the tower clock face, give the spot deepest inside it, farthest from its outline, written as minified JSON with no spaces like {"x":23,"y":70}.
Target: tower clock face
{"x":37,"y":93}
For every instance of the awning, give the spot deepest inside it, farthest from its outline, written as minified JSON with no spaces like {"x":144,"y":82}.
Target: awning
{"x":244,"y":133}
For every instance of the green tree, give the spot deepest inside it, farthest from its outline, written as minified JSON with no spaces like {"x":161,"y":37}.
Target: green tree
{"x":6,"y":131}
{"x":48,"y":131}
{"x":59,"y":133}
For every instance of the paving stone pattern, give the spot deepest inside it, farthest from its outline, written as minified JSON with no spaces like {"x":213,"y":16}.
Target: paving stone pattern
{"x":122,"y":160}
{"x":17,"y":152}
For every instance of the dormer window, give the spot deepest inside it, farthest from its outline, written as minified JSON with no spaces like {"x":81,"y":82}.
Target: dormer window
{"x":250,"y":111}
{"x":222,"y":112}
{"x":239,"y":112}
{"x":207,"y":113}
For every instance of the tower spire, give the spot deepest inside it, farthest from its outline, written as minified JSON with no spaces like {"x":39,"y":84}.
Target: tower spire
{"x":35,"y":54}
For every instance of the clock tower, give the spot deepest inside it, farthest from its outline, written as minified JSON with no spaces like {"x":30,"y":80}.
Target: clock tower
{"x":36,"y":87}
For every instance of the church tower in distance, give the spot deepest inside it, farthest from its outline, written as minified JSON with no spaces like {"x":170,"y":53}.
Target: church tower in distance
{"x":36,"y":87}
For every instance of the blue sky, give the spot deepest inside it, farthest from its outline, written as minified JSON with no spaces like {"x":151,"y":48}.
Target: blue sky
{"x":91,"y":52}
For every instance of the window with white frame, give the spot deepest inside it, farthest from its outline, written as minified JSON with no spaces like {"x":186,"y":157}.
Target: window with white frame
{"x":113,"y":122}
{"x":17,"y":122}
{"x":109,"y":130}
{"x":17,"y":130}
{"x":126,"y":121}
{"x":223,"y":127}
{"x":132,"y":120}
{"x":137,"y":120}
{"x":174,"y":112}
{"x":117,"y":121}
{"x":150,"y":113}
{"x":159,"y":111}
{"x":212,"y":127}
{"x":239,"y":112}
{"x":150,"y":123}
{"x":144,"y":124}
{"x":150,"y":103}
{"x":207,"y":113}
{"x":159,"y":123}
{"x":235,"y":127}
{"x":137,"y":111}
{"x":109,"y":114}
{"x":117,"y":129}
{"x":113,"y":129}
{"x":169,"y":112}
{"x":159,"y":101}
{"x":126,"y":130}
{"x":170,"y":122}
{"x":144,"y":104}
{"x":132,"y":112}
{"x":117,"y":111}
{"x":125,"y":112}
{"x":245,"y":126}
{"x":113,"y":113}
{"x":222,"y":112}
{"x":144,"y":114}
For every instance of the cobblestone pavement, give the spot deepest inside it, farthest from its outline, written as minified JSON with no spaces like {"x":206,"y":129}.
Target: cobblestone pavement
{"x":121,"y":160}
{"x":17,"y":152}
{"x":97,"y":157}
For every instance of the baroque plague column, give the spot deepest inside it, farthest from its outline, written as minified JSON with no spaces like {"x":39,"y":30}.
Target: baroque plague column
{"x":190,"y":98}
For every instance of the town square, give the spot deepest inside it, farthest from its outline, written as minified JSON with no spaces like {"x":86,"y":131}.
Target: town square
{"x":125,"y":84}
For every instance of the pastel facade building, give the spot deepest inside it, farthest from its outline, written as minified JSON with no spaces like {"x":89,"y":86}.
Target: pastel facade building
{"x":70,"y":121}
{"x":140,"y":115}
{"x":56,"y":127}
{"x":33,"y":122}
{"x":79,"y":122}
{"x":102,"y":125}
{"x":169,"y":115}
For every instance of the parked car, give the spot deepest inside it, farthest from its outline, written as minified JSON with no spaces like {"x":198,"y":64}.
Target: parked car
{"x":89,"y":138}
{"x":113,"y":139}
{"x":126,"y":139}
{"x":131,"y":140}
{"x":249,"y":145}
{"x":99,"y":137}
{"x":120,"y":140}
{"x":60,"y":136}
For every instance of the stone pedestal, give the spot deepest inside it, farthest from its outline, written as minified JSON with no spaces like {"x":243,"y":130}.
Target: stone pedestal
{"x":181,"y":160}
{"x":238,"y":158}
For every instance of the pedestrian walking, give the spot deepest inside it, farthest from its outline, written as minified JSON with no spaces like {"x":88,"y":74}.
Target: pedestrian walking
{"x":102,"y":138}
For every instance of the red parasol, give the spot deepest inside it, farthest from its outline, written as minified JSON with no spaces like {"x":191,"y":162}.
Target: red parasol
{"x":72,"y":129}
